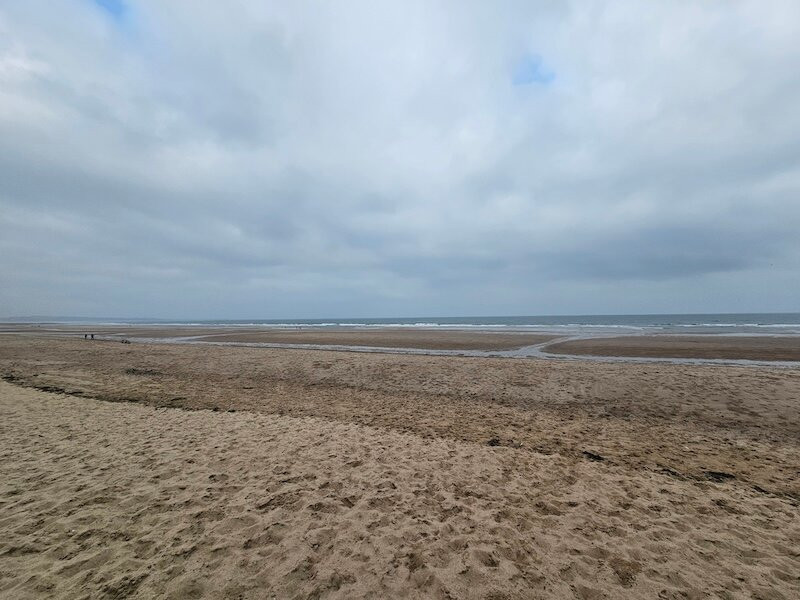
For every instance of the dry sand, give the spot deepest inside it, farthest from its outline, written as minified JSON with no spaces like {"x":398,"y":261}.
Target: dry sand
{"x":684,"y":346}
{"x":360,"y":475}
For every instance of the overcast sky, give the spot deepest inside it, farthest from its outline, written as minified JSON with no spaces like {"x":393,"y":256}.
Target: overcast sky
{"x":234,"y":159}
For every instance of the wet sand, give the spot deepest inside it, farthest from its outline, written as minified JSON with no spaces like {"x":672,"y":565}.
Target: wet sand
{"x":370,"y":475}
{"x":386,"y":338}
{"x":702,"y":347}
{"x":762,"y":348}
{"x":426,"y":339}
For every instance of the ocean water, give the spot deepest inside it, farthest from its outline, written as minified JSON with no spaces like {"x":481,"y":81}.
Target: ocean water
{"x":731,"y":324}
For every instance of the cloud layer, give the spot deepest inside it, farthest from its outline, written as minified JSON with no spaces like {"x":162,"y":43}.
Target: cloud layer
{"x":207,"y":159}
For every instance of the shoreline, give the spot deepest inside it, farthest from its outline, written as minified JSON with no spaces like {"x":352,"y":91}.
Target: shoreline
{"x":744,"y":349}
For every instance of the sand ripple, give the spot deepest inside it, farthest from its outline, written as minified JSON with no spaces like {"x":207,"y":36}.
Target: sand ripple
{"x":113,"y":500}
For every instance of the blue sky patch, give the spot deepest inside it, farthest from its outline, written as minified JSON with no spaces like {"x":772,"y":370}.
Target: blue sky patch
{"x":530,"y":70}
{"x":116,"y":8}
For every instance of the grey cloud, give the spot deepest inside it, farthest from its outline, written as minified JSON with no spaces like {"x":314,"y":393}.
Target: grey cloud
{"x":245,"y":160}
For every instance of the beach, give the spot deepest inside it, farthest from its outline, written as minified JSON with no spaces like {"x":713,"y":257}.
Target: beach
{"x":180,"y":470}
{"x":376,"y":301}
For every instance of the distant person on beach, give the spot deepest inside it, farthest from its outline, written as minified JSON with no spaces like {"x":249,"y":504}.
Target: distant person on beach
{"x":92,"y":336}
{"x":85,"y":336}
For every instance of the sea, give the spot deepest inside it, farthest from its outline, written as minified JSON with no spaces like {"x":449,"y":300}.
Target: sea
{"x":710,"y":323}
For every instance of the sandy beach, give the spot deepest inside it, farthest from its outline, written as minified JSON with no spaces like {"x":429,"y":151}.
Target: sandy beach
{"x":231,"y":472}
{"x":390,"y":300}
